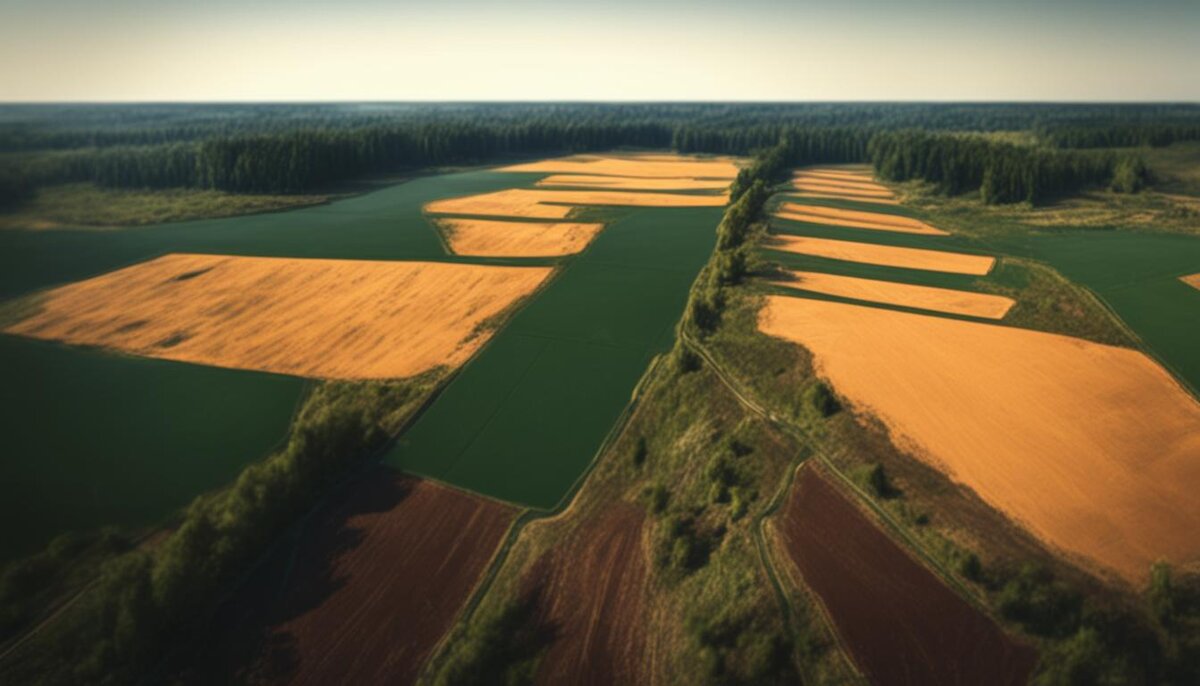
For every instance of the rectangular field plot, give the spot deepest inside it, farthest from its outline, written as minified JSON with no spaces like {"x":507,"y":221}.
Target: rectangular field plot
{"x":94,"y":440}
{"x":836,"y":216}
{"x":645,"y":166}
{"x":884,"y":255}
{"x":901,"y":624}
{"x":344,"y":319}
{"x":547,"y":204}
{"x":631,"y":183}
{"x":490,"y":238}
{"x":522,"y":421}
{"x":906,"y":295}
{"x":1094,"y":448}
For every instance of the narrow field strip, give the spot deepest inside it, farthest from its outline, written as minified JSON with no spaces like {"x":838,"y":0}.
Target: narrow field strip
{"x":816,"y":176}
{"x":840,"y":190}
{"x":884,"y":255}
{"x":547,"y":204}
{"x":900,"y":623}
{"x":946,"y":300}
{"x":1193,"y":280}
{"x":489,"y":238}
{"x":834,"y":196}
{"x":853,"y":223}
{"x":875,"y":220}
{"x":632,"y":183}
{"x":1092,"y":447}
{"x":341,"y":319}
{"x":648,"y":166}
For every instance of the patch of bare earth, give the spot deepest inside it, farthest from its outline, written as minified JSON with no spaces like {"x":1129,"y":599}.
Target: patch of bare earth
{"x":900,"y":623}
{"x":592,"y":598}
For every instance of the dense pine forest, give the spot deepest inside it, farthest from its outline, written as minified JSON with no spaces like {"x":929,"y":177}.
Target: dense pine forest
{"x":298,"y":148}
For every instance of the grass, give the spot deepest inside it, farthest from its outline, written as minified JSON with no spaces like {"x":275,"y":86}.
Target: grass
{"x":522,"y":420}
{"x":702,"y":469}
{"x":87,"y":205}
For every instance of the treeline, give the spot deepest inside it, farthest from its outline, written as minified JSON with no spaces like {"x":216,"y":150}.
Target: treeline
{"x":148,"y":604}
{"x":47,"y":127}
{"x":1120,"y":135}
{"x":1002,"y":172}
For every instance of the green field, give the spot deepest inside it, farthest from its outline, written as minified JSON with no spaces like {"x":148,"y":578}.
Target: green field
{"x":522,"y":421}
{"x":1136,"y":274}
{"x":125,"y":441}
{"x":93,"y":439}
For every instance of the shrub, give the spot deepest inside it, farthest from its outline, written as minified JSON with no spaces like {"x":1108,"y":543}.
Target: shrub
{"x":821,"y":400}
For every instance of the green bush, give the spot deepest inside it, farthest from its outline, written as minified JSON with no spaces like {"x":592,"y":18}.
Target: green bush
{"x":819,"y":398}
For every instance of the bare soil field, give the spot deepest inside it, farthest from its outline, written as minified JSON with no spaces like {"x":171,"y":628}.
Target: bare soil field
{"x":488,"y":238}
{"x":1093,"y":448}
{"x":900,"y":623}
{"x":1193,"y":280}
{"x":375,"y":582}
{"x":592,"y":592}
{"x":632,"y":183}
{"x":647,"y":166}
{"x":858,"y":219}
{"x":545,"y":204}
{"x":907,"y":295}
{"x":343,"y":319}
{"x":888,"y":256}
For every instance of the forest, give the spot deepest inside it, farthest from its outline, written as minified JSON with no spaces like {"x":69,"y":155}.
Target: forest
{"x":300,"y":148}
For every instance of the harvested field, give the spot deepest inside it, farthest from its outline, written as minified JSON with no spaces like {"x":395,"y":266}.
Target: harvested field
{"x":906,"y":295}
{"x":344,"y":319}
{"x":1193,"y":280}
{"x":849,"y":193}
{"x":834,"y":196}
{"x":837,"y":216}
{"x":592,"y":592}
{"x":376,"y":580}
{"x":885,"y":255}
{"x":488,"y":238}
{"x":542,"y":204}
{"x":632,"y":183}
{"x":900,"y":623}
{"x":647,"y":166}
{"x":1093,"y":448}
{"x":853,"y":182}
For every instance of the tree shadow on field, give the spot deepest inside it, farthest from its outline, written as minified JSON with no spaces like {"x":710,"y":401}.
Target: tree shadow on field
{"x":247,"y":641}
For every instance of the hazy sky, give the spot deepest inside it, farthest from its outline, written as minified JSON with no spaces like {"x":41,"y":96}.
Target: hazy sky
{"x":600,"y":50}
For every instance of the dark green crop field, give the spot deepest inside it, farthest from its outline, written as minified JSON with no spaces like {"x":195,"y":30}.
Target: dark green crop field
{"x":96,"y":439}
{"x":1137,"y":275}
{"x":93,"y":439}
{"x":100,"y":439}
{"x":522,"y":420}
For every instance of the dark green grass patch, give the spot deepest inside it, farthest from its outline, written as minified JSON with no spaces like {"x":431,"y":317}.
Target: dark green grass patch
{"x":93,"y":439}
{"x":523,"y":419}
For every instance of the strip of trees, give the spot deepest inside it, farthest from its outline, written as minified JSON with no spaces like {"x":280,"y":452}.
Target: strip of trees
{"x":1002,"y":172}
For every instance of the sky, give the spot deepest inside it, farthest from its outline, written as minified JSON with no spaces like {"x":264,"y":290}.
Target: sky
{"x":599,"y":50}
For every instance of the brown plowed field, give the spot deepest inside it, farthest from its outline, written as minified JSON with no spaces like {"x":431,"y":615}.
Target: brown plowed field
{"x":859,"y":218}
{"x":648,"y":166}
{"x":491,"y":238}
{"x":377,"y":579}
{"x":1193,"y":280}
{"x":632,"y":183}
{"x":342,"y":319}
{"x":886,"y":255}
{"x":901,"y":624}
{"x":907,"y":295}
{"x":592,"y":597}
{"x":1093,"y":448}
